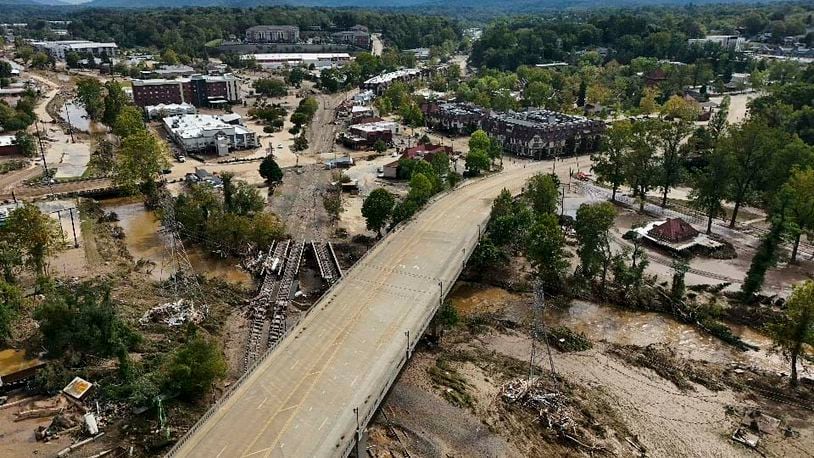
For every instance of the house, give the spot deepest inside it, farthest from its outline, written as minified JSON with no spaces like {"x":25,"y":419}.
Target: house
{"x":8,"y":145}
{"x":655,"y":77}
{"x":426,"y":151}
{"x":364,"y":135}
{"x":391,"y":170}
{"x":675,"y":234}
{"x":204,"y":177}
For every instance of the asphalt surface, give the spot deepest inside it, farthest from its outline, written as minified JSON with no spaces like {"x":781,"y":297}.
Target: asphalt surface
{"x":301,"y":399}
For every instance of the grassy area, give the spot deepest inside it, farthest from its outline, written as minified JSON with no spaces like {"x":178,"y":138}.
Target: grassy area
{"x":12,"y":165}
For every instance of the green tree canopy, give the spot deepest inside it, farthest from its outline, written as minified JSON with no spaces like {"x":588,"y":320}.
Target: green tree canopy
{"x":797,"y":329}
{"x":377,"y":209}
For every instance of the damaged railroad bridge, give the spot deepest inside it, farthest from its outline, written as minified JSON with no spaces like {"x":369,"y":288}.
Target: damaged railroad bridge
{"x":315,"y":391}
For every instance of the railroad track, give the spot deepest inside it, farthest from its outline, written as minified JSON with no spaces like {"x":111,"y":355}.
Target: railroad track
{"x":255,"y":345}
{"x":283,"y":297}
{"x":326,"y":260}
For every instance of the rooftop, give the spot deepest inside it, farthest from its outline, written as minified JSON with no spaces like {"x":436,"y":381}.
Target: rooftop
{"x":197,"y":125}
{"x":536,"y":118}
{"x":387,"y":77}
{"x":161,"y":81}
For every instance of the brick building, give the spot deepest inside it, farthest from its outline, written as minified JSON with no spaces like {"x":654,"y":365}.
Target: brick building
{"x":453,"y":117}
{"x":273,"y":34}
{"x":358,"y":36}
{"x":198,"y":90}
{"x":540,"y":134}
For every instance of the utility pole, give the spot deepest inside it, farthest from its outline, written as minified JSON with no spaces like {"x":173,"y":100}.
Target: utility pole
{"x":538,"y":329}
{"x":68,"y":118}
{"x":73,"y":227}
{"x":42,"y":149}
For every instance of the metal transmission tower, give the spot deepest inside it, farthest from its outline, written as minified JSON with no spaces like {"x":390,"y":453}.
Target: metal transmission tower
{"x":538,"y":331}
{"x":183,"y":282}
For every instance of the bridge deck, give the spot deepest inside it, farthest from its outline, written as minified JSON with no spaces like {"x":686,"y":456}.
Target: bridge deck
{"x":346,"y":353}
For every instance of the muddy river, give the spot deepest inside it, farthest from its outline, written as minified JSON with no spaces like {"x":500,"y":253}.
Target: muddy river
{"x":75,"y":114}
{"x":143,"y":240}
{"x":625,"y":327}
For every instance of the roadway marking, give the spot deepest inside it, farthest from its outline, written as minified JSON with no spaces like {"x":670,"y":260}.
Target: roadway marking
{"x":257,"y":452}
{"x":264,"y":401}
{"x":222,"y":450}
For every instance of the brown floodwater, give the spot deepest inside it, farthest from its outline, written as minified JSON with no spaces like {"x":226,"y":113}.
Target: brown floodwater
{"x":144,"y":241}
{"x":624,"y":327}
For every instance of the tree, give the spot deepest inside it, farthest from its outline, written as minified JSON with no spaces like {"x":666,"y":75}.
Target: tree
{"x":140,"y":160}
{"x":380,"y":146}
{"x":169,"y":57}
{"x":128,"y":121}
{"x":300,"y":143}
{"x":115,"y":101}
{"x":750,"y":145}
{"x":239,"y":197}
{"x":195,"y":366}
{"x":377,"y":209}
{"x":543,"y":192}
{"x":11,"y":301}
{"x":82,"y":320}
{"x":270,"y":171}
{"x":678,"y":288}
{"x":546,"y":251}
{"x":800,"y":189}
{"x":797,"y":329}
{"x":90,"y":95}
{"x":479,"y":141}
{"x":421,"y":188}
{"x":641,"y":167}
{"x":41,"y":60}
{"x":670,"y":136}
{"x":270,"y":87}
{"x":593,"y":224}
{"x":764,"y":259}
{"x":609,"y":163}
{"x":710,"y":185}
{"x":332,"y":202}
{"x":72,"y":59}
{"x":477,"y":161}
{"x":34,"y":233}
{"x":25,"y":142}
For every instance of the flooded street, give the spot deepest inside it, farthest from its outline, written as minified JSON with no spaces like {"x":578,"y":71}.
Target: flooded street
{"x":623,"y":327}
{"x":143,"y":240}
{"x":75,"y":114}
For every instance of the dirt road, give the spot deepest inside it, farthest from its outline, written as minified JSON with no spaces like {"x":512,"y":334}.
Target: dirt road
{"x":322,"y":131}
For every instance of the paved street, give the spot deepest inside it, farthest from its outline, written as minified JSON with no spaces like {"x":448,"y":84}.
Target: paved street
{"x":300,"y":400}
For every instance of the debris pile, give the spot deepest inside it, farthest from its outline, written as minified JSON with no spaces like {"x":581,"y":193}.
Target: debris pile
{"x":566,"y":340}
{"x":173,"y":314}
{"x":554,"y":410}
{"x":753,"y":426}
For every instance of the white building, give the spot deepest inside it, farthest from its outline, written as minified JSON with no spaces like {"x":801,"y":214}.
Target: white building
{"x":319,"y":60}
{"x":171,"y":109}
{"x":734,"y":42}
{"x":58,"y":49}
{"x":201,"y":133}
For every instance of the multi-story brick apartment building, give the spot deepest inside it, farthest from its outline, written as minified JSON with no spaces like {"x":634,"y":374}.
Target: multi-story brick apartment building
{"x":198,"y":90}
{"x":540,"y":134}
{"x":453,"y":117}
{"x":358,"y":36}
{"x":273,"y":34}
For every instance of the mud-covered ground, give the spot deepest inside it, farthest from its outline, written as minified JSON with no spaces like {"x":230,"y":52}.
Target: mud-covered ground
{"x":636,"y":393}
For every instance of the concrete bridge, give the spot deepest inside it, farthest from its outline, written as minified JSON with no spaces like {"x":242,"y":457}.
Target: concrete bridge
{"x":314,"y":393}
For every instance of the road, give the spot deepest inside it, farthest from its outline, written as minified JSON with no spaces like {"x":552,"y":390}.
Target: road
{"x":300,"y":400}
{"x":377,"y":44}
